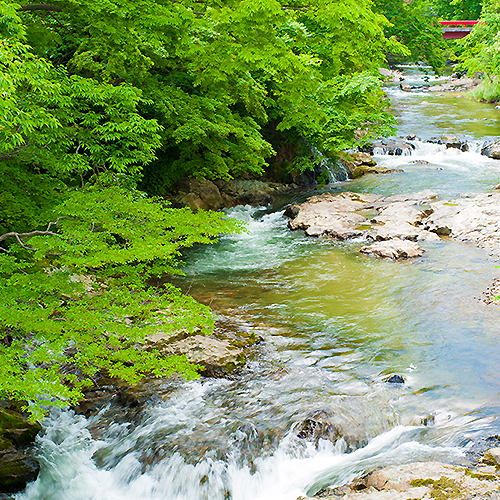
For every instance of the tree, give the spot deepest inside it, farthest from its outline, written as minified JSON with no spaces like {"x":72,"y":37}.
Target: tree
{"x":415,"y":25}
{"x":76,"y":300}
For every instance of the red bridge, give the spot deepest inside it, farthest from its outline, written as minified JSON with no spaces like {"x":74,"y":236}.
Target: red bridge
{"x":456,"y":29}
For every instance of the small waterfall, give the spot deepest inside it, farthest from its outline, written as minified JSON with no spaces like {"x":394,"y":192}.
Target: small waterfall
{"x":334,"y":169}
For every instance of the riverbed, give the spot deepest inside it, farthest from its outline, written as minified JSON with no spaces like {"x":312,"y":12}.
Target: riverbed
{"x":336,"y":324}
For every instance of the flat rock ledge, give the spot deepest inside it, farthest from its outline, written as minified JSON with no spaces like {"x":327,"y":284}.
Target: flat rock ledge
{"x":421,"y":480}
{"x":401,"y":221}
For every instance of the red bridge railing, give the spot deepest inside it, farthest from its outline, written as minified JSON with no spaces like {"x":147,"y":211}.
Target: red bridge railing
{"x":457,"y":29}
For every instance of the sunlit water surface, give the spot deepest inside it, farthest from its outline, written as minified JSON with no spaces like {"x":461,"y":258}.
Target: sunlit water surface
{"x":335,"y":325}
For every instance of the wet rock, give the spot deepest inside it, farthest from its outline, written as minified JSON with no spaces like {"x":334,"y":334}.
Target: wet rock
{"x":394,"y":249}
{"x":416,"y":217}
{"x":357,"y":164}
{"x":492,"y":457}
{"x":405,"y":87}
{"x":450,"y":142}
{"x":491,"y":150}
{"x":393,"y":147}
{"x":395,"y":379}
{"x":16,"y":468}
{"x":489,"y":295}
{"x":411,"y":137}
{"x":319,"y":425}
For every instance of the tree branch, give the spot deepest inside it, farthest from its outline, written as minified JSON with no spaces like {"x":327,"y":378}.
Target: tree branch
{"x":46,"y":7}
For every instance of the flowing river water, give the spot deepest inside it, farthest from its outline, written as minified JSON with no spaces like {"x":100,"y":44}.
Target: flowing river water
{"x":335,"y":325}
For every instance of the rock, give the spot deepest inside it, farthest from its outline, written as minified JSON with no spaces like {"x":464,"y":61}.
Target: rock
{"x":361,"y":163}
{"x":405,"y":87}
{"x":421,"y":480}
{"x":395,"y":379}
{"x":411,"y":137}
{"x":497,"y":187}
{"x":415,"y":217}
{"x":199,"y":194}
{"x":393,"y":147}
{"x":319,"y":425}
{"x":473,"y":219}
{"x":450,"y":142}
{"x":394,"y":249}
{"x":16,"y":468}
{"x":492,"y":457}
{"x":332,"y":215}
{"x":491,"y":150}
{"x":220,"y":353}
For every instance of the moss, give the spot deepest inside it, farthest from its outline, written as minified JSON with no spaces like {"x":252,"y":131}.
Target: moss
{"x":14,"y":476}
{"x":15,"y":428}
{"x":481,"y":477}
{"x":442,"y":488}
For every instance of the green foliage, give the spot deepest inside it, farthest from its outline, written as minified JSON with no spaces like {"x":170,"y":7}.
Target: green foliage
{"x":75,"y":298}
{"x":481,"y":47}
{"x":415,"y":25}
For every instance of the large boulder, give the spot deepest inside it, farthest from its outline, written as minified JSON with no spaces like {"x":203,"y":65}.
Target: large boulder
{"x":199,"y":194}
{"x":491,"y":150}
{"x":331,"y":215}
{"x":16,"y":468}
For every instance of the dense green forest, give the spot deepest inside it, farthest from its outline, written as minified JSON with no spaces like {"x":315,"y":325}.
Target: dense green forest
{"x":107,"y":104}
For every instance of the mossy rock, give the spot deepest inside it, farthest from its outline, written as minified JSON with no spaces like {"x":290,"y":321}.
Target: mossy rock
{"x":15,"y":428}
{"x":15,"y":474}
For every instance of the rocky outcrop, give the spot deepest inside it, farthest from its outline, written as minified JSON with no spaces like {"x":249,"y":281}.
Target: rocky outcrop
{"x":16,"y":468}
{"x":400,"y":220}
{"x":453,"y":85}
{"x":450,"y":142}
{"x":418,"y":481}
{"x":491,"y":150}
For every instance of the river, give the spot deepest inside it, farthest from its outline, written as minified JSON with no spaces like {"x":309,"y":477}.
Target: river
{"x":336,"y":324}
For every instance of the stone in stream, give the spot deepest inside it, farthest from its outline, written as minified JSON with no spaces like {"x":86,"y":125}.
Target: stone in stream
{"x":392,"y":147}
{"x":395,"y":379}
{"x":450,"y":142}
{"x":491,"y":150}
{"x":319,"y":425}
{"x":492,"y":457}
{"x":360,"y":163}
{"x":416,"y":217}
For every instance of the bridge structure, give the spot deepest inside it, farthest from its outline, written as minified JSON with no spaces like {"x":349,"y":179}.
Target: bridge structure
{"x":452,"y":30}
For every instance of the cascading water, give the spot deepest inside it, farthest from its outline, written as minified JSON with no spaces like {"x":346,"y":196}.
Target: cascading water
{"x":336,"y":324}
